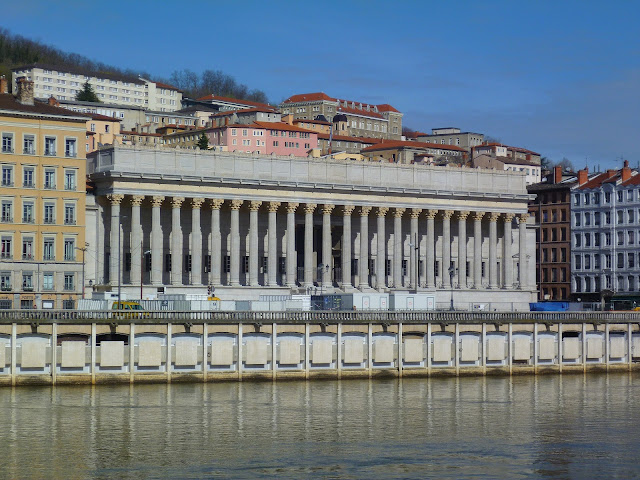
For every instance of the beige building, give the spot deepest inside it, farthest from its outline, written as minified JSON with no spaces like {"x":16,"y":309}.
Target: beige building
{"x":350,"y":118}
{"x":65,"y":83}
{"x":252,"y":225}
{"x":42,"y":197}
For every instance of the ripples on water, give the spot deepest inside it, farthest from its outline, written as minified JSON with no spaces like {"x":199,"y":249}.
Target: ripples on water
{"x":520,"y":427}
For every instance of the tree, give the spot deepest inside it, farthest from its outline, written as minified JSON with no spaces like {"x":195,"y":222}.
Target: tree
{"x":545,"y":163}
{"x":566,"y":164}
{"x":203,"y":142}
{"x":87,"y":94}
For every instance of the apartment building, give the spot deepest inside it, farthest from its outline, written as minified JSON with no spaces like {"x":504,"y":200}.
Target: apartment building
{"x":399,"y":151}
{"x":350,"y":118}
{"x":65,"y":83}
{"x":551,"y":209}
{"x":606,"y":236}
{"x":42,"y":201}
{"x":450,"y":136}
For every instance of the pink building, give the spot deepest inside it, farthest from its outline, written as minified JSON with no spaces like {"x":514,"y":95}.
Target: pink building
{"x":264,"y":138}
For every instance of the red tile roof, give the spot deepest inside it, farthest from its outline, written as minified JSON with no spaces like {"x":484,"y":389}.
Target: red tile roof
{"x":356,"y":111}
{"x":318,"y":96}
{"x":309,"y":97}
{"x":9,"y":102}
{"x":283,"y":126}
{"x":599,"y":179}
{"x":344,"y":138}
{"x":515,"y":149}
{"x":318,"y":122}
{"x":395,"y":144}
{"x":104,"y":118}
{"x":212,"y":97}
{"x":170,"y":87}
{"x":385,"y":107}
{"x":266,"y":109}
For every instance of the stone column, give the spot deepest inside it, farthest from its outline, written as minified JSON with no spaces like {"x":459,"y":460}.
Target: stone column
{"x":414,"y":255}
{"x":381,"y":253}
{"x":326,"y":245}
{"x":254,"y":206}
{"x":291,"y":244}
{"x":431,"y":248}
{"x":234,"y":254}
{"x":136,"y":240}
{"x":176,"y":241}
{"x":477,"y":249}
{"x":115,"y":248}
{"x":446,"y":248}
{"x":309,"y":267}
{"x":462,"y":249}
{"x":493,"y":249}
{"x":397,"y":247}
{"x":196,"y":242}
{"x":272,"y":239}
{"x":507,"y":258}
{"x":157,"y":241}
{"x":363,"y":261}
{"x":346,"y":246}
{"x":216,"y":242}
{"x":522,"y":226}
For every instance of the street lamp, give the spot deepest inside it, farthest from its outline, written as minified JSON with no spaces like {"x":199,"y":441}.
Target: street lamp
{"x":322,"y":270}
{"x":452,"y":271}
{"x":83,"y":250}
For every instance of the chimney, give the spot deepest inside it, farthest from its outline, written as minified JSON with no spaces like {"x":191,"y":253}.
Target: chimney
{"x":626,"y":171}
{"x":25,"y":91}
{"x":583,"y":176}
{"x":53,"y":102}
{"x":4,"y":86}
{"x":611,"y":173}
{"x":557,"y":174}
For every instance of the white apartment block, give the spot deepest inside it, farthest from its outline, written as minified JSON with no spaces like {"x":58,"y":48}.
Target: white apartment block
{"x":65,"y":84}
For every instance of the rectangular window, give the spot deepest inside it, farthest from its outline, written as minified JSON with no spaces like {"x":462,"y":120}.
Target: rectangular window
{"x":5,"y":281}
{"x":50,"y":179}
{"x":7,"y":143}
{"x":167,"y":262}
{"x":578,"y":262}
{"x":49,"y":213}
{"x":70,"y":147}
{"x":28,"y":174}
{"x":69,"y":214}
{"x":7,"y":212}
{"x":69,"y":281}
{"x":27,"y":212}
{"x":265,"y":265}
{"x":27,"y":282}
{"x":50,"y":146}
{"x":387,"y":270}
{"x":631,"y":260}
{"x":70,"y":180}
{"x":69,"y":249}
{"x":6,"y":247}
{"x":227,"y":264}
{"x":48,"y":252}
{"x":47,"y":281}
{"x":282,"y":265}
{"x":245,"y":264}
{"x":187,"y":263}
{"x":147,"y":261}
{"x":7,"y":176}
{"x":27,"y":248}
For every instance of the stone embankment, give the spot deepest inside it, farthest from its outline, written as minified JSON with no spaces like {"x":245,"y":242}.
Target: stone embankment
{"x":62,"y":347}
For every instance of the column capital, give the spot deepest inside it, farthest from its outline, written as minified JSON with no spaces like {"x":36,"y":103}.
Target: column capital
{"x":508,"y":217}
{"x":431,"y":213}
{"x":273,"y":206}
{"x":364,"y":211}
{"x":327,"y":208}
{"x":115,"y":198}
{"x":196,"y":203}
{"x":254,"y":205}
{"x":309,"y":207}
{"x":447,"y":214}
{"x":215,"y":203}
{"x":176,"y":202}
{"x":347,"y":210}
{"x":292,"y":207}
{"x":157,"y":200}
{"x":478,"y":215}
{"x":398,"y":212}
{"x":522,"y":218}
{"x":463,"y":215}
{"x":236,"y":204}
{"x":382,"y":211}
{"x":415,"y":212}
{"x":493,"y":216}
{"x":136,"y":200}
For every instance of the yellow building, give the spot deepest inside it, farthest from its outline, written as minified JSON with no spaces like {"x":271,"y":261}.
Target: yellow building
{"x":42,"y":201}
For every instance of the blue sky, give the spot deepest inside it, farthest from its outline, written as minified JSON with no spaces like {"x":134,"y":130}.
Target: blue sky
{"x":558,"y":77}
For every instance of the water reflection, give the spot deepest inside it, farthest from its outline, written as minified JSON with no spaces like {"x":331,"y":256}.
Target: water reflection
{"x":521,"y":427}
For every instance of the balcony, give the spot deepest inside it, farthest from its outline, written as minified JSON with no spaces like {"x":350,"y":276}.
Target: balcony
{"x":28,"y":185}
{"x":27,"y":288}
{"x":5,"y":288}
{"x":27,"y":256}
{"x":28,"y":219}
{"x":7,"y":183}
{"x":7,"y":150}
{"x":70,"y":153}
{"x":50,"y":186}
{"x":29,"y":151}
{"x":6,"y":219}
{"x":69,"y":221}
{"x":49,"y":221}
{"x":50,"y":153}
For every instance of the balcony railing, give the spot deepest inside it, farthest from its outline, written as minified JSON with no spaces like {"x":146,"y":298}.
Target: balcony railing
{"x":27,"y":219}
{"x":5,"y":288}
{"x":6,"y":219}
{"x":27,"y":288}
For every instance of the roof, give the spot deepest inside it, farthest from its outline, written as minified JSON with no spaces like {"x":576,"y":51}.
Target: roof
{"x":344,"y":138}
{"x":515,"y":149}
{"x":245,"y":110}
{"x":170,"y":87}
{"x":209,"y":98}
{"x":9,"y":102}
{"x":283,"y":126}
{"x":81,"y":71}
{"x":140,"y":134}
{"x":319,"y":96}
{"x":356,"y":111}
{"x":309,"y":97}
{"x":319,"y":122}
{"x":396,"y":144}
{"x":385,"y":107}
{"x":104,"y":118}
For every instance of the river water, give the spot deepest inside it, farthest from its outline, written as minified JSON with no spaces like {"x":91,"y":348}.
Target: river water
{"x":570,"y":426}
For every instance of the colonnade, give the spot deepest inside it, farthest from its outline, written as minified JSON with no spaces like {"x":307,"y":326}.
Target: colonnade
{"x":421,"y":258}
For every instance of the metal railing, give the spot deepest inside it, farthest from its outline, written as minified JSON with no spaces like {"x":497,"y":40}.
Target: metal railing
{"x":314,"y":317}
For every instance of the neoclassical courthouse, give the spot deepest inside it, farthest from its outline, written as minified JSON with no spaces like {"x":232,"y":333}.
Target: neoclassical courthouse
{"x":253,"y":225}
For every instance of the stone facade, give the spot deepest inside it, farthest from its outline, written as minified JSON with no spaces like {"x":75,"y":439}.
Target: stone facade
{"x":252,"y":225}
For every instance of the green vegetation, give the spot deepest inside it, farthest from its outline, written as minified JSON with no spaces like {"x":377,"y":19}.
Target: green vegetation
{"x":87,"y":94}
{"x":203,"y":142}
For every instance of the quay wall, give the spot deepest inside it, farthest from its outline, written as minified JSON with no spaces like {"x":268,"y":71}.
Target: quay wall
{"x":63,"y":347}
